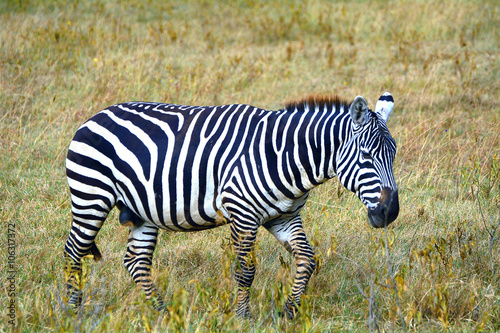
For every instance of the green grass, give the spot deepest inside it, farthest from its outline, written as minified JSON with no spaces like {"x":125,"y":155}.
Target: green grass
{"x":434,"y":269}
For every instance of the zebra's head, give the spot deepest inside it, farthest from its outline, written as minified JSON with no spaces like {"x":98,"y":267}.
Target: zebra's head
{"x":364,"y":163}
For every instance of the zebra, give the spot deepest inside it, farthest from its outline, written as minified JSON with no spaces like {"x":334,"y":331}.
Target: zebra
{"x":190,"y":168}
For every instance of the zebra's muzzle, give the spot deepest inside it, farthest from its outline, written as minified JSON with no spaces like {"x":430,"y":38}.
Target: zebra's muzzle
{"x":387,"y":210}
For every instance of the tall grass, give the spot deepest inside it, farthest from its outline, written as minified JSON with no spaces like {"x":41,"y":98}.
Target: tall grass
{"x":435,"y":269}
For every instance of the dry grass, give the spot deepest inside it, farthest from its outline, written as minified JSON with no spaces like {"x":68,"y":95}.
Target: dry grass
{"x":435,"y":269}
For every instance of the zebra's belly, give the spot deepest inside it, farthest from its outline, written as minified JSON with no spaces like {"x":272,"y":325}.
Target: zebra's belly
{"x":192,"y":217}
{"x":186,"y":225}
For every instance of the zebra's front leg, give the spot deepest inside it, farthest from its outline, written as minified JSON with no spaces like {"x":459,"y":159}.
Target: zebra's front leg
{"x":292,"y":236}
{"x":243,"y":238}
{"x":138,"y":260}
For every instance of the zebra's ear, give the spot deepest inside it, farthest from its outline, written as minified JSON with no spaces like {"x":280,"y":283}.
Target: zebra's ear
{"x":384,"y":106}
{"x":359,"y":111}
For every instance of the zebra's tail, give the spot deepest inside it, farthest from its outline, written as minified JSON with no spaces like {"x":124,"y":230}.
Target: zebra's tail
{"x":95,"y":252}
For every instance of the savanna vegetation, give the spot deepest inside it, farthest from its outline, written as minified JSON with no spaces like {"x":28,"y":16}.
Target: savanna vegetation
{"x":437,"y":268}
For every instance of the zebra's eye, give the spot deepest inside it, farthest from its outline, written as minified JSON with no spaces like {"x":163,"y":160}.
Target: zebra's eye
{"x":366,"y":155}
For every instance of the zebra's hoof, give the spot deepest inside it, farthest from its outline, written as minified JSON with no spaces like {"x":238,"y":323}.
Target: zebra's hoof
{"x":244,"y":315}
{"x":158,"y":304}
{"x":286,"y":314}
{"x":160,"y":308}
{"x":289,"y":312}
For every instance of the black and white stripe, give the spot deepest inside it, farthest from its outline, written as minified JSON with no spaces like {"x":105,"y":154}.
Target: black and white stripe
{"x":189,"y":168}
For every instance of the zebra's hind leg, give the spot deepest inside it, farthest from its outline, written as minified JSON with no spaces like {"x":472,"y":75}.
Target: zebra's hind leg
{"x":138,"y":259}
{"x":292,"y":236}
{"x":93,"y":196}
{"x":243,"y":238}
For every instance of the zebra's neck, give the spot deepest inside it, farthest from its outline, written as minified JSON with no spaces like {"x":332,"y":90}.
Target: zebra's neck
{"x":303,"y":145}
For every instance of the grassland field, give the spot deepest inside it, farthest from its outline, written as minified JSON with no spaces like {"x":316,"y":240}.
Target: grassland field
{"x":435,"y":269}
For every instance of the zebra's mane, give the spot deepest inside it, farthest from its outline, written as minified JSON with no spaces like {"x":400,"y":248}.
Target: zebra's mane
{"x":320,"y":101}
